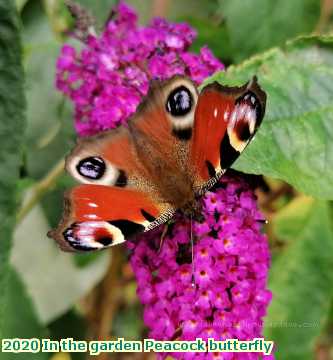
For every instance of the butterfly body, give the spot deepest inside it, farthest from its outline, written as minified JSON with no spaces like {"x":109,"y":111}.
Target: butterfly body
{"x":175,"y":147}
{"x":167,"y":171}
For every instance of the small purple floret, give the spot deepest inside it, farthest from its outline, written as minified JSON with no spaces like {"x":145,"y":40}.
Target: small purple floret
{"x":108,"y":78}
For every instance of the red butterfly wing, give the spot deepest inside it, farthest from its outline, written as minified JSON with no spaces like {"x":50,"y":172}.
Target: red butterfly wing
{"x":98,"y":216}
{"x":226,"y":119}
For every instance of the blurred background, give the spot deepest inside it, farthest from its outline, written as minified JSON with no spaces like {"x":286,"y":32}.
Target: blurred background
{"x":56,"y":295}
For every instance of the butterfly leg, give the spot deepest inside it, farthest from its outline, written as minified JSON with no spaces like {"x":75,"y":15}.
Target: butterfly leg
{"x":163,"y":235}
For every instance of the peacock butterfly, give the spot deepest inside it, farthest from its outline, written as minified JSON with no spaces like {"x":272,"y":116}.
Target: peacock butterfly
{"x":176,"y":146}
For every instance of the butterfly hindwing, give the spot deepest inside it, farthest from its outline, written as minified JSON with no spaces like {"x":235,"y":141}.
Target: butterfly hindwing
{"x":99,"y":216}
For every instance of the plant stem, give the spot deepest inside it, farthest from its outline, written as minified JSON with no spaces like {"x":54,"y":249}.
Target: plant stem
{"x":325,"y":14}
{"x":40,"y":189}
{"x":103,"y":303}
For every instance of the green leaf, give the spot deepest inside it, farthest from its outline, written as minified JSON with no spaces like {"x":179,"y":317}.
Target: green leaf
{"x":211,"y":33}
{"x":301,"y":278}
{"x":50,"y":132}
{"x":52,"y":279}
{"x":128,"y":323}
{"x":20,"y":320}
{"x":256,"y":25}
{"x":12,"y":125}
{"x":295,"y":140}
{"x":70,"y":325}
{"x":20,"y":4}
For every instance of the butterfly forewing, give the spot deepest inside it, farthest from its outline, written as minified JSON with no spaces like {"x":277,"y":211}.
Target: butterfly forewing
{"x":226,"y":120}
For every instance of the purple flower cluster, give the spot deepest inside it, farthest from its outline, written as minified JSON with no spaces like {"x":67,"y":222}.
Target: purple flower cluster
{"x":108,"y":78}
{"x":106,"y":81}
{"x":231,"y":261}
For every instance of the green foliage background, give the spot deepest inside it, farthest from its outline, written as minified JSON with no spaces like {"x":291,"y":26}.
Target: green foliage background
{"x":289,"y":46}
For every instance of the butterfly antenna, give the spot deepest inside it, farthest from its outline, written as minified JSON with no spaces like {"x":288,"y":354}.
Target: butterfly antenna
{"x":164,"y":232}
{"x":192,"y":254}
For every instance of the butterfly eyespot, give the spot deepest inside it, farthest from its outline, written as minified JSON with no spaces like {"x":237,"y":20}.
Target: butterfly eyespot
{"x":180,"y":106}
{"x":91,"y":167}
{"x":92,"y":235}
{"x":244,"y":120}
{"x":250,"y":99}
{"x":179,"y":102}
{"x":96,"y":170}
